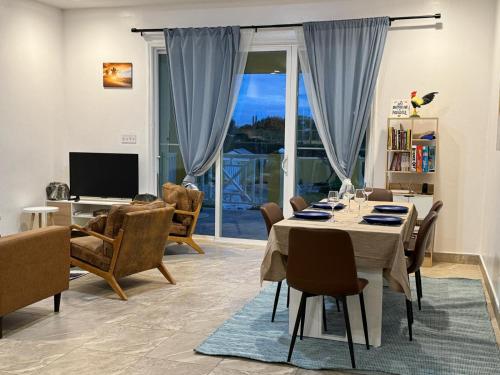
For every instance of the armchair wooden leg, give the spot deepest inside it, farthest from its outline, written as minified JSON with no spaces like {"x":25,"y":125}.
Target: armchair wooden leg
{"x":194,"y":245}
{"x":116,"y":287}
{"x":166,"y":273}
{"x":1,"y":335}
{"x":57,"y":302}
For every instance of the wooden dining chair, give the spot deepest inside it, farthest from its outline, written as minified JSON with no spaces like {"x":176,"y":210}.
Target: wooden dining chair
{"x":330,"y":272}
{"x":298,"y":203}
{"x":381,"y":195}
{"x":417,"y":254}
{"x":272,"y":213}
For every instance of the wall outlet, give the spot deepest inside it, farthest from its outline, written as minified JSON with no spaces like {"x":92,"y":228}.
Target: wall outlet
{"x":129,"y":139}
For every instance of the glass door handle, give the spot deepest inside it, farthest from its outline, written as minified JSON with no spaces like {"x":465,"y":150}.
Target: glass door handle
{"x":283,"y":168}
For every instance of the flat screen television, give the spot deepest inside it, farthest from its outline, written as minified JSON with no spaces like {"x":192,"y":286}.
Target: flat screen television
{"x":103,"y":175}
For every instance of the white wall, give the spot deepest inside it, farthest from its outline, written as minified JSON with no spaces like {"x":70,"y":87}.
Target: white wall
{"x":491,"y":209}
{"x":453,"y":60}
{"x":30,"y":105}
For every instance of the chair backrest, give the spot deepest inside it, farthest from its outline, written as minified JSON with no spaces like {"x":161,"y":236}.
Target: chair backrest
{"x":144,"y":238}
{"x":271,"y":213}
{"x":298,"y":203}
{"x":321,"y":262}
{"x":424,"y":236}
{"x":436,"y":207}
{"x":184,"y":199}
{"x":382,"y":195}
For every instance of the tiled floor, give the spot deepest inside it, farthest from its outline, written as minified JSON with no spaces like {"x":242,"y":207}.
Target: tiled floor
{"x":155,"y":331}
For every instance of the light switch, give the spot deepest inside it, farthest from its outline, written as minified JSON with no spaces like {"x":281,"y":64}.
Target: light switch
{"x":129,"y":139}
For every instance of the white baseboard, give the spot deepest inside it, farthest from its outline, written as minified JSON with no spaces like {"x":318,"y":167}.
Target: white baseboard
{"x":491,"y":290}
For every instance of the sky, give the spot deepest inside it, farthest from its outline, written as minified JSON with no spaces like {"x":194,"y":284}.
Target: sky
{"x":263,"y":95}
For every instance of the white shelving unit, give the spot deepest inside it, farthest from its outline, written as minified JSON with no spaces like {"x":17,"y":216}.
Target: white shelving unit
{"x":406,"y":184}
{"x":71,"y":212}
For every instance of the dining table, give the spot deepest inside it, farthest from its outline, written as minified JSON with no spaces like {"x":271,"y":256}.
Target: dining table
{"x":379,"y":255}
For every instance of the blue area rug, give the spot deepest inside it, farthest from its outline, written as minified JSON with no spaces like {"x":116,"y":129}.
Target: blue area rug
{"x":451,"y":335}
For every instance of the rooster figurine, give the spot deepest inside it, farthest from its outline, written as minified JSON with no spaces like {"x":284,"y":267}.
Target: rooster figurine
{"x":417,"y":102}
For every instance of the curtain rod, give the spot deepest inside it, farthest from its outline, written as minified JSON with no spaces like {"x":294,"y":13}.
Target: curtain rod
{"x":391,"y":19}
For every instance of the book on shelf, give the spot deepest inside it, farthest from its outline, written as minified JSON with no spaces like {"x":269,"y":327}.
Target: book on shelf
{"x":419,"y":158}
{"x":425,"y":159}
{"x":399,"y":139}
{"x":413,"y":158}
{"x":400,"y":162}
{"x":432,"y":158}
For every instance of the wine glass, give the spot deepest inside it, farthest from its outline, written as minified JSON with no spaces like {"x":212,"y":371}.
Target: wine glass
{"x":368,"y":191}
{"x":349,"y":194}
{"x":333,"y":199}
{"x":359,"y":197}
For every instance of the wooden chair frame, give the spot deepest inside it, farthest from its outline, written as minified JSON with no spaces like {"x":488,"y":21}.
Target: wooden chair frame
{"x":188,"y":239}
{"x":109,"y":274}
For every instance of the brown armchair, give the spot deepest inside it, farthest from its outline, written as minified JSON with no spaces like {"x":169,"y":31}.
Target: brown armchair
{"x":133,"y":241}
{"x":34,"y":265}
{"x":188,"y":204}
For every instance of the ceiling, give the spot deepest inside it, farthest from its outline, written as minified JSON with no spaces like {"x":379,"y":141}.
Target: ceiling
{"x":74,"y":4}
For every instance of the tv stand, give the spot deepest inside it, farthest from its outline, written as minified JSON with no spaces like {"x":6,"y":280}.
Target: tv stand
{"x":81,"y":211}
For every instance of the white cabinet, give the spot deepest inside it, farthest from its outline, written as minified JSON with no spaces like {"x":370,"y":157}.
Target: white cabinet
{"x":71,"y":212}
{"x":423,"y":203}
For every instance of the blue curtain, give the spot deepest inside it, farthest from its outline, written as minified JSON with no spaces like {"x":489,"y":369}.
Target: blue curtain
{"x":340,"y":62}
{"x":204,"y":65}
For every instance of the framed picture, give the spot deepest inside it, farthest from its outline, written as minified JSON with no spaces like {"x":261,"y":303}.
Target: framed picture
{"x":117,"y":75}
{"x":400,"y":108}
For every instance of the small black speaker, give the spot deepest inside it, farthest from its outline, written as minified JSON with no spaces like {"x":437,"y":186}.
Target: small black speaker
{"x":425,"y":188}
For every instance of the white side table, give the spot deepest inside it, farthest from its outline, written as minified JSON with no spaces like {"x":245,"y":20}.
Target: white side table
{"x":47,"y":211}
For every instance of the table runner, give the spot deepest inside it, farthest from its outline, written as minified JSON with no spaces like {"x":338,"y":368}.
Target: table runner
{"x":375,"y":246}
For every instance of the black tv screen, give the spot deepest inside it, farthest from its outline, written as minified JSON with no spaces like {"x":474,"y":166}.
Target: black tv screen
{"x":103,"y":175}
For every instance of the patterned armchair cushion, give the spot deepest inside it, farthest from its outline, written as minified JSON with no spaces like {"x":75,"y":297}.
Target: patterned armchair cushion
{"x":91,"y":250}
{"x":116,"y":216}
{"x":185,"y":199}
{"x":97,"y":224}
{"x":178,"y":229}
{"x":158,"y":202}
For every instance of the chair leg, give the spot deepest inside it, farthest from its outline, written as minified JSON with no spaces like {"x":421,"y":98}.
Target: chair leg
{"x":116,"y":287}
{"x":348,"y":329}
{"x":418,"y":281}
{"x":363,"y":316}
{"x":303,"y":320}
{"x":57,"y":302}
{"x":276,"y":299}
{"x":194,"y":245}
{"x":409,"y":316}
{"x":288,"y":297}
{"x":338,"y":304}
{"x":296,"y":326}
{"x":163,"y":269}
{"x":324,"y":315}
{"x":1,"y":327}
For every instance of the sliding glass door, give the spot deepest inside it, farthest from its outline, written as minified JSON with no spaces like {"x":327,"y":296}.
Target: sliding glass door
{"x":255,"y":146}
{"x":272,"y":150}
